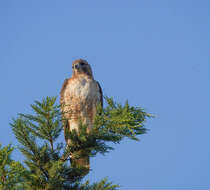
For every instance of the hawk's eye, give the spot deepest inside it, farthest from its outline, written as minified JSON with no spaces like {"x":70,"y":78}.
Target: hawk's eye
{"x":82,"y":64}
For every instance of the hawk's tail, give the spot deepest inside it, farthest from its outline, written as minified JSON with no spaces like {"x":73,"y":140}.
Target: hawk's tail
{"x":80,"y":161}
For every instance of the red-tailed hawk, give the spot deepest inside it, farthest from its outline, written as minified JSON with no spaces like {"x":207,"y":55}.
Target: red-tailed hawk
{"x":80,"y":96}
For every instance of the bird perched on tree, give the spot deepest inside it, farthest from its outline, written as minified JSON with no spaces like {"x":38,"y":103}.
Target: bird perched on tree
{"x":80,"y":96}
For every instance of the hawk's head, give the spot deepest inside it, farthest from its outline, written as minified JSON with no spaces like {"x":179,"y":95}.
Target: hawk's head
{"x":81,"y":66}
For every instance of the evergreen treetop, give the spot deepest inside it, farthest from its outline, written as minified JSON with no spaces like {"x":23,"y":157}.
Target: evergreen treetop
{"x":46,"y":164}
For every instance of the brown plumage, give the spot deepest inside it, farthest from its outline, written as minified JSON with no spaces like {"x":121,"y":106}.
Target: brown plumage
{"x":79,"y":98}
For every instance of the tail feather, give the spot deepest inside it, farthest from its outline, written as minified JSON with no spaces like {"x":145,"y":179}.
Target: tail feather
{"x":81,"y":162}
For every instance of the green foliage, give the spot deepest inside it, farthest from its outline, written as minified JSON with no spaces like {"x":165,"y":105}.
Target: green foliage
{"x":102,"y":185}
{"x":117,"y":121}
{"x":11,"y":172}
{"x":47,"y":159}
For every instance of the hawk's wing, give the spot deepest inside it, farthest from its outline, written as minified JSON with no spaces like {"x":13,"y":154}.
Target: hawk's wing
{"x":62,"y":92}
{"x":101,"y":94}
{"x":62,"y":103}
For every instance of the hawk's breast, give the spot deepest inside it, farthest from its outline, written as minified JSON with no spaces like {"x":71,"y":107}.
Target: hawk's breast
{"x":83,"y":88}
{"x":82,"y":95}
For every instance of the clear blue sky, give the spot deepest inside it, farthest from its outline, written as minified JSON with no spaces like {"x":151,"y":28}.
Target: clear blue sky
{"x":154,"y":53}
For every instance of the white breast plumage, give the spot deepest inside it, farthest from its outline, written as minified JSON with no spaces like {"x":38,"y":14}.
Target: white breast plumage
{"x":83,"y":88}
